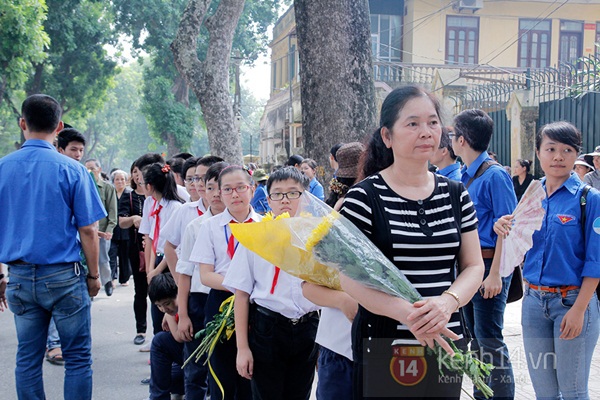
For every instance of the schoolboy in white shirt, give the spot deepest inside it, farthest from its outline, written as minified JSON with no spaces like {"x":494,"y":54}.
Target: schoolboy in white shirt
{"x":192,"y":294}
{"x":275,"y":324}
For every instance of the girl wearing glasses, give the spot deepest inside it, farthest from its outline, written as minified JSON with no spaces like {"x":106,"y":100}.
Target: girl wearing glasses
{"x":214,"y":250}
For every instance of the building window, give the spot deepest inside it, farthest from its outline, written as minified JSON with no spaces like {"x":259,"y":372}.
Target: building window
{"x":386,"y":44}
{"x":534,"y":43}
{"x":571,"y":41}
{"x":462,"y":40}
{"x":597,"y":43}
{"x":274,"y":76}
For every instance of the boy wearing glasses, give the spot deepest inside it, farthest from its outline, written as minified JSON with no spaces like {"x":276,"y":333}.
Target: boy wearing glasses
{"x":275,"y":324}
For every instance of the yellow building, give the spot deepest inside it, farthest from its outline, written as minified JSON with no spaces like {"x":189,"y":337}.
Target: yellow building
{"x":412,"y":40}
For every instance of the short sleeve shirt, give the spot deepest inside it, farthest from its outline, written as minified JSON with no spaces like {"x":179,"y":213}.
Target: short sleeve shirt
{"x":44,"y":198}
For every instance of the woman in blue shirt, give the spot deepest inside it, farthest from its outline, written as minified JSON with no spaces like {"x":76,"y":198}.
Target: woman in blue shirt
{"x":560,"y":308}
{"x":309,"y":168}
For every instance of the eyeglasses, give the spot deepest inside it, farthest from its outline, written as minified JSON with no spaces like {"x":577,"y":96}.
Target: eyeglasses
{"x":451,"y":135}
{"x":289,"y":195}
{"x":188,"y":180}
{"x":196,"y":179}
{"x":240,"y":189}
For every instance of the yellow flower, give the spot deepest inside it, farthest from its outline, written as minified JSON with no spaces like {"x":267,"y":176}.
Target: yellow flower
{"x":270,"y":217}
{"x":321,"y":230}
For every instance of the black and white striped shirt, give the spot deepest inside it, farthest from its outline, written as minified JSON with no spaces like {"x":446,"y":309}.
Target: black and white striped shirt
{"x":419,"y":236}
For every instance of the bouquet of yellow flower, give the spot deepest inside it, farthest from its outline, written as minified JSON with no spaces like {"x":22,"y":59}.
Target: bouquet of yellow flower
{"x":319,"y":243}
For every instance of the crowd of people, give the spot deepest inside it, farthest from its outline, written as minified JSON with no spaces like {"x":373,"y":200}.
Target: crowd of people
{"x":166,"y":224}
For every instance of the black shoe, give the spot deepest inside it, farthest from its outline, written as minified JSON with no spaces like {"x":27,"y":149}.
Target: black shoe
{"x":145,"y":381}
{"x":108,"y":288}
{"x":139,"y":339}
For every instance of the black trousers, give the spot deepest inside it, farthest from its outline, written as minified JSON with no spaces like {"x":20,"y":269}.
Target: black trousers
{"x":285,"y":355}
{"x":118,"y":255}
{"x":223,"y":359}
{"x":140,"y":286}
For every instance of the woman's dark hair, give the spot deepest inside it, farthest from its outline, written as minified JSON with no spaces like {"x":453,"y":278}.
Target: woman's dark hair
{"x":334,"y":150}
{"x":562,"y":132}
{"x":377,"y":156}
{"x":132,"y":183}
{"x":310,"y":162}
{"x":214,"y":171}
{"x":162,"y":180}
{"x":525,"y":163}
{"x":233,"y":168}
{"x":285,"y":173}
{"x":294,"y":159}
{"x":162,"y":287}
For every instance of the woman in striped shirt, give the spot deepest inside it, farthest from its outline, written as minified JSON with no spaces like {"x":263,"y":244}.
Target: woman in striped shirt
{"x":409,"y":213}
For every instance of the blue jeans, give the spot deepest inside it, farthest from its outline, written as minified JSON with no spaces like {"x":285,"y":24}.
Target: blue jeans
{"x":35,"y":294}
{"x":559,"y":369}
{"x":166,"y":359}
{"x":485,"y":321}
{"x":53,"y":341}
{"x":335,"y":376}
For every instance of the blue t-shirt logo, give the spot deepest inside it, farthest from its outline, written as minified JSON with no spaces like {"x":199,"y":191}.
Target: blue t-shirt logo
{"x":597,"y":225}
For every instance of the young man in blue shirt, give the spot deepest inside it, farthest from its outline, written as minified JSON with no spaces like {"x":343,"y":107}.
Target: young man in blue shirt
{"x":445,"y":159}
{"x":40,"y":246}
{"x":493,"y":196}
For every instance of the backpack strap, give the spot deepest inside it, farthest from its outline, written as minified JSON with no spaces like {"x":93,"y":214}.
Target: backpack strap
{"x":582,"y":204}
{"x":482,"y":168}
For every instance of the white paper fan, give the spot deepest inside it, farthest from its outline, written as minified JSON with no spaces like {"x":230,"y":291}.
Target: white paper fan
{"x":528,"y":217}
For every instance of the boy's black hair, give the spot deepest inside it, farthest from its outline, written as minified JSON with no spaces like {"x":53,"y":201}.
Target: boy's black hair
{"x":476,"y":126}
{"x":41,"y":112}
{"x":189,"y":163}
{"x":162,"y":287}
{"x":148,"y":159}
{"x":207,"y":161}
{"x":214,"y":171}
{"x":446,"y":142}
{"x":285,"y":173}
{"x":67,"y":136}
{"x":184,"y":155}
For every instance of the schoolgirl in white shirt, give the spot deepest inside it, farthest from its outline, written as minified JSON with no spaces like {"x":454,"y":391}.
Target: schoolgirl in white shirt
{"x":275,"y":324}
{"x":161,"y":201}
{"x":214,"y":253}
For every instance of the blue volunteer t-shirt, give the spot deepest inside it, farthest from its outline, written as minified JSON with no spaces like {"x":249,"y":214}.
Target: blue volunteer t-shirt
{"x":44,"y":198}
{"x":493,"y":195}
{"x":560,"y":256}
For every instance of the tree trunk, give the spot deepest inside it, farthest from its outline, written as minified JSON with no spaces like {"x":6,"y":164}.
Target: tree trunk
{"x":338,"y":94}
{"x":209,"y":79}
{"x":172,"y":146}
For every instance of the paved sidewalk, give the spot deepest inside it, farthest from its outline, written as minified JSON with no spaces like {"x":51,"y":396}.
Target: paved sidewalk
{"x":119,"y":366}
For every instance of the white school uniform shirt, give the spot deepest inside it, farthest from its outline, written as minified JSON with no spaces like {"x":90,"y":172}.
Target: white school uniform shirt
{"x":215,"y":233}
{"x":334,"y":332}
{"x":183,"y":193}
{"x":184,"y":265}
{"x":148,"y":222}
{"x":253,"y":274}
{"x":173,"y":230}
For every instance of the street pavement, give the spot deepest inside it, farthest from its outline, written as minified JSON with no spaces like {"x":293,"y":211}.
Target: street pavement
{"x":119,"y":366}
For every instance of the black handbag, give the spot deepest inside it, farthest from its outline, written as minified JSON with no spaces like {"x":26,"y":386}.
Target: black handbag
{"x":515,"y":290}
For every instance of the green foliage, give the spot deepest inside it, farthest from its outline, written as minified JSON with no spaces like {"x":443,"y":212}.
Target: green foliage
{"x":22,"y":40}
{"x":251,"y":110}
{"x":118,"y":132}
{"x":77,"y":71}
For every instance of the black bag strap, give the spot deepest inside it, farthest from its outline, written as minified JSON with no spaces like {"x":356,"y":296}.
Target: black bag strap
{"x":482,"y":168}
{"x":582,"y":204}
